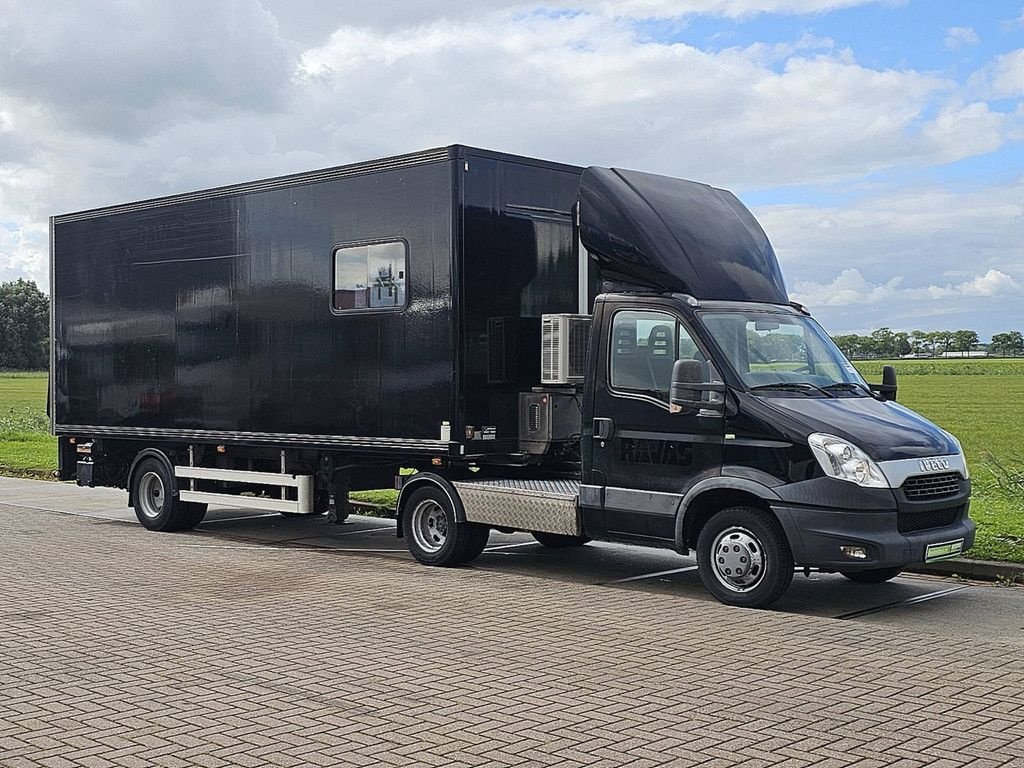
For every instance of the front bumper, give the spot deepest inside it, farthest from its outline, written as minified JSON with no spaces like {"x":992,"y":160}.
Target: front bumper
{"x":816,"y":534}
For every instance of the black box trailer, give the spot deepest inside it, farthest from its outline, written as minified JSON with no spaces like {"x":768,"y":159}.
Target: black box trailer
{"x":357,"y":308}
{"x":578,"y":353}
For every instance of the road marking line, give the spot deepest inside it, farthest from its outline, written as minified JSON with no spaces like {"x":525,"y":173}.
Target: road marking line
{"x":234,"y":546}
{"x":510,"y":546}
{"x":909,"y":601}
{"x":649,"y":575}
{"x":365,"y":530}
{"x":290,"y":549}
{"x":232,"y":519}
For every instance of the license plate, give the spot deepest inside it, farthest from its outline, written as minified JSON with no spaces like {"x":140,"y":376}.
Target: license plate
{"x":943,"y":551}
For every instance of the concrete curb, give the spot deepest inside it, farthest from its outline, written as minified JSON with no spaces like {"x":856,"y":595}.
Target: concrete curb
{"x":989,"y":570}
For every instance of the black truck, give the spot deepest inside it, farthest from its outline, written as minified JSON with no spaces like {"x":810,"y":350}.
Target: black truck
{"x":581,"y":353}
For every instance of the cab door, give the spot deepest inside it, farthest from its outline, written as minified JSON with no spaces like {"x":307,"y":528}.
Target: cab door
{"x":645,"y":454}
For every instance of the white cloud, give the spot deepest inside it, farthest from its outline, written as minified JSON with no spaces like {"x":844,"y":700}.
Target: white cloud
{"x":851,"y":288}
{"x":312,"y":21}
{"x":961,"y":37}
{"x":1003,"y":77}
{"x":916,"y":258}
{"x":124,"y":68}
{"x":727,"y":8}
{"x":589,"y":90}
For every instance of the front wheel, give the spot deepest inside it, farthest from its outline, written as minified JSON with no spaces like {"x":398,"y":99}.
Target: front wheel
{"x":435,"y":535}
{"x":743,"y":557}
{"x":873,"y":576}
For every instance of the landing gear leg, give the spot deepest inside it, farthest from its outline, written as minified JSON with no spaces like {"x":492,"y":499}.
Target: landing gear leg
{"x":339,"y":510}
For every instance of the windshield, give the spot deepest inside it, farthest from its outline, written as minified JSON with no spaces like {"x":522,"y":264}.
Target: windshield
{"x":769,"y":350}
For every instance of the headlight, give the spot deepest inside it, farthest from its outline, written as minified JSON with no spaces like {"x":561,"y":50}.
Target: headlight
{"x":845,"y":461}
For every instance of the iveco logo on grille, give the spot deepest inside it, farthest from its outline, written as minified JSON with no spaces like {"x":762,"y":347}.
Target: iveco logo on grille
{"x":934,"y":465}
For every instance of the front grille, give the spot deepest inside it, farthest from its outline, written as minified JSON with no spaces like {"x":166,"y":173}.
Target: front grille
{"x":907,"y":522}
{"x":928,"y":487}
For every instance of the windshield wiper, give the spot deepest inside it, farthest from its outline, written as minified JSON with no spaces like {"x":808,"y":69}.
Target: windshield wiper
{"x":848,"y":385}
{"x":794,"y":386}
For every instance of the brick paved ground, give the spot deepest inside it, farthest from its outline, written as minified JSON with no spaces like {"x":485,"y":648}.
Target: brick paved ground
{"x":122,"y":647}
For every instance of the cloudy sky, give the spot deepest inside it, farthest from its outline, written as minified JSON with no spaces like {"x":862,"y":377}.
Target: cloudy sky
{"x":880,"y":142}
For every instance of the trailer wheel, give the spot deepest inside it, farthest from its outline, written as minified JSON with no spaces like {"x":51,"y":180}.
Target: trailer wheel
{"x":434,"y":534}
{"x":873,"y":576}
{"x":155,"y":505}
{"x":743,"y":557}
{"x":559,"y":540}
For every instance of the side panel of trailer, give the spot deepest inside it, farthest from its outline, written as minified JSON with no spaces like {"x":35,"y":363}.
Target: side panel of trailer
{"x":520,"y":260}
{"x":221,"y":315}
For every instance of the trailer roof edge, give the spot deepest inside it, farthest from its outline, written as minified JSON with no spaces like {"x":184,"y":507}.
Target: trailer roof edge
{"x":435,"y":155}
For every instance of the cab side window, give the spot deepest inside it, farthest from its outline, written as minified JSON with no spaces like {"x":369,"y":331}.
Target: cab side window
{"x":644,"y":347}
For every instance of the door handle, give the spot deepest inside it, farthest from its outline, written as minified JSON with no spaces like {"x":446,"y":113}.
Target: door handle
{"x":603,"y":428}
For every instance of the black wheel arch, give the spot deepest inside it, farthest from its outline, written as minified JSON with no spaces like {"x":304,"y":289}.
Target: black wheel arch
{"x":151,"y":453}
{"x":714,"y":494}
{"x":427,"y":480}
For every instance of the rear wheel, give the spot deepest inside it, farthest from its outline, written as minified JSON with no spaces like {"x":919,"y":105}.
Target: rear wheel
{"x":743,"y":557}
{"x":435,"y":535}
{"x":873,"y":576}
{"x":157,"y":508}
{"x":559,"y":540}
{"x":475,"y":542}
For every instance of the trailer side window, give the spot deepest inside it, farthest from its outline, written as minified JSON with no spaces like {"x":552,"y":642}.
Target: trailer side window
{"x":370,"y":277}
{"x":644,"y":348}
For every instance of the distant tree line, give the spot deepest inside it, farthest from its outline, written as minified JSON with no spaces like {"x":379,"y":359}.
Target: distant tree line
{"x":887,"y":343}
{"x":24,"y":326}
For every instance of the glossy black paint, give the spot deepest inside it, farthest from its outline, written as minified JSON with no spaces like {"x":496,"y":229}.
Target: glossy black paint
{"x":674,"y":235}
{"x":519,"y":260}
{"x":884,"y":430}
{"x":215,"y":314}
{"x":650,"y":448}
{"x":211,"y":311}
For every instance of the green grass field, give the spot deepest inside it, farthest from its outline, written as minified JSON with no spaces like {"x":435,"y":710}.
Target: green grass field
{"x":980,"y":401}
{"x":26,"y":447}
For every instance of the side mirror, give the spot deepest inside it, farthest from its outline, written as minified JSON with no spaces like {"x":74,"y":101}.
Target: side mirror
{"x":887,"y":389}
{"x":688,"y":387}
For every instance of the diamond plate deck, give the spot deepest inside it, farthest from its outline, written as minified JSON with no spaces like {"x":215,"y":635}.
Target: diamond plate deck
{"x":526,"y":505}
{"x":548,"y":487}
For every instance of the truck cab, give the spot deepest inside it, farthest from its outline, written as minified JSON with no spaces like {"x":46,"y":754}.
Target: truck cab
{"x":739,"y":430}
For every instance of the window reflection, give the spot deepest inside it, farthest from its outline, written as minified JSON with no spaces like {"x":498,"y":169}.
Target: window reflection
{"x":370,"y":276}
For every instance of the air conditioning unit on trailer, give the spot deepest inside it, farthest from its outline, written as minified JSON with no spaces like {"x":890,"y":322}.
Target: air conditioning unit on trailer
{"x":563,"y":348}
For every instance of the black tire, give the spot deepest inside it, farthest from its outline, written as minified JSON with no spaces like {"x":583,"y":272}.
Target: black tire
{"x":873,"y":576}
{"x":559,"y":540}
{"x":156,"y":505}
{"x":753,"y":565}
{"x":476,"y":541}
{"x":433,"y":532}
